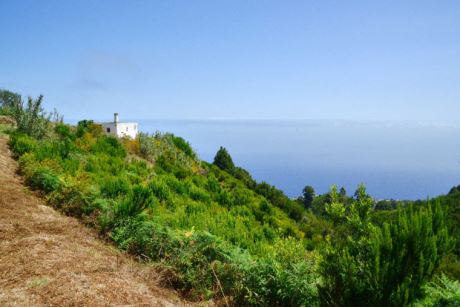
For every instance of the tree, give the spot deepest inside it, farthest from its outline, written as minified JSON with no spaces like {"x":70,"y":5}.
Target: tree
{"x":223,"y":160}
{"x":8,"y":99}
{"x":343,"y":193}
{"x":308,"y":196}
{"x":364,"y":264}
{"x":454,"y":190}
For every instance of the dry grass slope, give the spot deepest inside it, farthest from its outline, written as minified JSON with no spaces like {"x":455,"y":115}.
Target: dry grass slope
{"x":47,"y":259}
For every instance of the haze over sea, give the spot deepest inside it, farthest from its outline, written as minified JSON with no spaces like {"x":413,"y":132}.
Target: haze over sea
{"x":394,"y":159}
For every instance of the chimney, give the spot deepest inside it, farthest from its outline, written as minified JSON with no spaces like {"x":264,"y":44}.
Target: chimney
{"x":115,"y":118}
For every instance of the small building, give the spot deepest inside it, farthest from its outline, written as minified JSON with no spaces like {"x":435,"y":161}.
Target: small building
{"x":119,"y":129}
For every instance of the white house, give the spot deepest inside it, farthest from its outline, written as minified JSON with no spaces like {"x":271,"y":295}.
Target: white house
{"x":120,"y":129}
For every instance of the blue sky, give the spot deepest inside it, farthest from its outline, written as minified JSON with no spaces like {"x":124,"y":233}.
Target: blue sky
{"x":235,"y":59}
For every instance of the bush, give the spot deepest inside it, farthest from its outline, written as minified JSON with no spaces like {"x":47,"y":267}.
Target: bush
{"x":21,"y":144}
{"x":76,"y":198}
{"x":160,"y":189}
{"x":224,"y":198}
{"x":88,"y":127}
{"x":198,"y":194}
{"x":284,"y":276}
{"x":110,"y":146}
{"x":176,"y":185}
{"x":138,"y":199}
{"x":44,"y":179}
{"x":184,"y":146}
{"x":64,"y":132}
{"x":244,"y":176}
{"x":115,"y":187}
{"x":295,"y":211}
{"x":31,"y":119}
{"x":441,"y":292}
{"x":241,"y":197}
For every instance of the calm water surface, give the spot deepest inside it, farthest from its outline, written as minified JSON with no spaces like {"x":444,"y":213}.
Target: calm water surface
{"x":401,"y":160}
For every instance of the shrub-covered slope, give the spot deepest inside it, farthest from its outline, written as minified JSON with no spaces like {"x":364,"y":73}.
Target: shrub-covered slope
{"x":217,"y":233}
{"x":155,"y":199}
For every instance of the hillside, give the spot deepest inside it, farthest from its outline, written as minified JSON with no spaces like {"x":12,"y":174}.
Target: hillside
{"x":215,"y":233}
{"x":47,"y":259}
{"x":154,"y":199}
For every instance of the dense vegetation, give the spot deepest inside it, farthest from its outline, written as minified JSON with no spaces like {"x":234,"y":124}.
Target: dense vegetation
{"x":216,"y":232}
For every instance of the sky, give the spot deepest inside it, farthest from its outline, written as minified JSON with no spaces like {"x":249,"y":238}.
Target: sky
{"x":351,"y":60}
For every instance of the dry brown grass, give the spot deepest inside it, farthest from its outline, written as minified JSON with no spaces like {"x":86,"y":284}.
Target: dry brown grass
{"x":47,"y":259}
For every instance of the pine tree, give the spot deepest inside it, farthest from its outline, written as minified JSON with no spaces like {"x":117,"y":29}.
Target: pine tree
{"x":363,"y":264}
{"x":223,"y":160}
{"x":308,"y":196}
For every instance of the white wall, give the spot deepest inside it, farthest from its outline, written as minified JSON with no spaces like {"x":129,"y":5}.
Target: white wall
{"x":109,"y":128}
{"x":127,"y":129}
{"x":121,"y":129}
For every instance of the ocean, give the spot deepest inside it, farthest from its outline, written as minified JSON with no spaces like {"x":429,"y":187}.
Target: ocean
{"x":394,"y":159}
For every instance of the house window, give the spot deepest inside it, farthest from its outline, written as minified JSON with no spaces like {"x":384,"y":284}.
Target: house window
{"x":108,"y":130}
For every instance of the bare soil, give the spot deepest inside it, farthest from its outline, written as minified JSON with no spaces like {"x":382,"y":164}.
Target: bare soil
{"x":48,"y":259}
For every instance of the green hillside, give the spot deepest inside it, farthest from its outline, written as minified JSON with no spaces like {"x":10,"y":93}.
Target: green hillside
{"x":154,"y":198}
{"x":216,"y":233}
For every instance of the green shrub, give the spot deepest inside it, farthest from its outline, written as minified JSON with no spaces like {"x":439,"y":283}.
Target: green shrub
{"x":64,"y":131}
{"x":76,"y":198}
{"x":27,"y":164}
{"x":110,"y":146}
{"x":176,"y":185}
{"x":141,"y":237}
{"x":115,"y":187}
{"x":183,"y":145}
{"x":137,"y":200}
{"x":44,"y":179}
{"x":443,"y":292}
{"x":31,"y":119}
{"x":295,"y":211}
{"x":212,"y":184}
{"x":21,"y":144}
{"x":241,"y":197}
{"x":284,"y":276}
{"x":83,"y":127}
{"x":224,"y":198}
{"x":266,"y":207}
{"x":198,"y":194}
{"x":244,"y":176}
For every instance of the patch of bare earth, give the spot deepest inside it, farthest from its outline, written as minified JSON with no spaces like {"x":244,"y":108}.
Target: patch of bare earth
{"x":47,"y":259}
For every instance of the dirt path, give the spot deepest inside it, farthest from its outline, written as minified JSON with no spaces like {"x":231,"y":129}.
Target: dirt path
{"x":47,"y":259}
